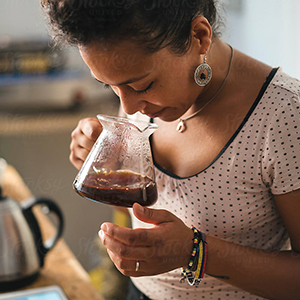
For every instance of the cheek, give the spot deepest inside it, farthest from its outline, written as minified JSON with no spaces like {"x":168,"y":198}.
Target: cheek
{"x":178,"y":89}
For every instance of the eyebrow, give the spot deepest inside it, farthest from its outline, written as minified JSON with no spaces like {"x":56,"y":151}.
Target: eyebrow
{"x":131,"y":80}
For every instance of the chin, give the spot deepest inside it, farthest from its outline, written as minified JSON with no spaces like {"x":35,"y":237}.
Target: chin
{"x":168,"y":118}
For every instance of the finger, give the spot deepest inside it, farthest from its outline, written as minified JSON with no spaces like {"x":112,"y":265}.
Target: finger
{"x":77,"y":158}
{"x":77,"y":155}
{"x":82,"y":154}
{"x":128,"y":267}
{"x":125,"y":251}
{"x":90,"y":127}
{"x":81,"y":143}
{"x":79,"y":140}
{"x":133,"y":237}
{"x":152,"y":216}
{"x":77,"y":163}
{"x":143,"y":268}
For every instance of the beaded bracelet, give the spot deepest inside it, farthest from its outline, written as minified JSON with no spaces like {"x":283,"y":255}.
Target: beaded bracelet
{"x":195,"y":250}
{"x":199,"y":257}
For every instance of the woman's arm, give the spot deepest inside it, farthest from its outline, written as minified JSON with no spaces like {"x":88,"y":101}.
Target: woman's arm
{"x":167,"y":246}
{"x":270,"y":274}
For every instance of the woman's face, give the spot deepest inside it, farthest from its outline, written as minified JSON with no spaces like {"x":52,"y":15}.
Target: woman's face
{"x":159,"y":85}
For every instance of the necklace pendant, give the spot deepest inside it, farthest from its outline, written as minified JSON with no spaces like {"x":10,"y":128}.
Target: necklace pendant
{"x":180,"y":127}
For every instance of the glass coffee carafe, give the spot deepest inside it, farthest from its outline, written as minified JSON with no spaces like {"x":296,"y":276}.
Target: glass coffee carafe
{"x":119,"y":169}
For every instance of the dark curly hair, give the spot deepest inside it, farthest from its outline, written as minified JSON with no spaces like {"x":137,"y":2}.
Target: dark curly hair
{"x":154,"y":24}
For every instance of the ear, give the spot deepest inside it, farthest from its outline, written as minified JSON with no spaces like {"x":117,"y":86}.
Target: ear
{"x":201,"y":33}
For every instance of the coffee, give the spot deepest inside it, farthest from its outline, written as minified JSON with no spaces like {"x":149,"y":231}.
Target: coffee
{"x":120,"y":188}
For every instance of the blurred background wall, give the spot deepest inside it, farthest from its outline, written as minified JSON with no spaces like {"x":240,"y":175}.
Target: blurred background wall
{"x":267,"y":30}
{"x":21,"y":19}
{"x":38,"y":113}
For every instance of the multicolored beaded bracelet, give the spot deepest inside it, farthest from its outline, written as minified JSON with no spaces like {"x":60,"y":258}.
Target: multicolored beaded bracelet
{"x":197,"y":261}
{"x":195,"y":250}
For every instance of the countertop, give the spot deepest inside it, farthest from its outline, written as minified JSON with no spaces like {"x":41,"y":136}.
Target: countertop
{"x":61,"y":266}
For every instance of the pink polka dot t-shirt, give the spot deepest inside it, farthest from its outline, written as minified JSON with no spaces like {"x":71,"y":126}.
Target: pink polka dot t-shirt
{"x":232,"y":199}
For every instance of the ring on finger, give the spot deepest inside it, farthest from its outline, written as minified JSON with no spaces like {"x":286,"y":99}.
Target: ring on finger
{"x":137,"y":265}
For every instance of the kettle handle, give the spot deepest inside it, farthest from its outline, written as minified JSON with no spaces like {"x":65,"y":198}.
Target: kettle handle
{"x":43,"y":247}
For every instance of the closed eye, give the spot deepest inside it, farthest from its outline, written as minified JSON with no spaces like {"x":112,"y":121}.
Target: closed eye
{"x":107,"y":86}
{"x":145,"y":90}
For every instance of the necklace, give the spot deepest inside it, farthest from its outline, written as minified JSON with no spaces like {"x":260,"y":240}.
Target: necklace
{"x":181,"y":126}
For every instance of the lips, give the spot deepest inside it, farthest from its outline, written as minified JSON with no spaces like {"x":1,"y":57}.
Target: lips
{"x":154,"y":115}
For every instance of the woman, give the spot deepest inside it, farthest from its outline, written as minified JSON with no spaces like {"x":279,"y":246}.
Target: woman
{"x":226,"y":152}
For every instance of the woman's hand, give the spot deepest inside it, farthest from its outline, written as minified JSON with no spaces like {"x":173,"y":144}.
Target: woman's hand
{"x":164,"y":247}
{"x":83,"y":139}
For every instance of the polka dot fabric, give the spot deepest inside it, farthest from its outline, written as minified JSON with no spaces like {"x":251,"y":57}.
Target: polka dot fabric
{"x":232,"y":198}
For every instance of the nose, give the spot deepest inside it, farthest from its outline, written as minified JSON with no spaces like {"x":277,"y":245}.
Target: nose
{"x":132,"y":106}
{"x":130,"y":103}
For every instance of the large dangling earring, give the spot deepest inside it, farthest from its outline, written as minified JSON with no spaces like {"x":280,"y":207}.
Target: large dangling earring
{"x":203,"y":73}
